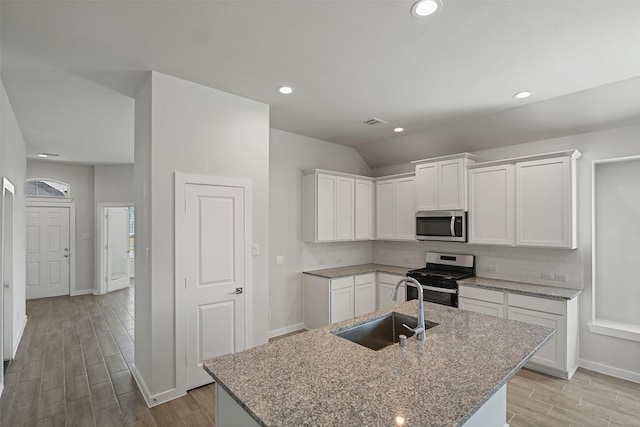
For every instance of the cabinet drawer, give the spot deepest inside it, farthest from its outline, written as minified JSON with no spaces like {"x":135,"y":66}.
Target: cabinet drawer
{"x":365,"y":278}
{"x":389,"y":278}
{"x":342,"y":282}
{"x":535,"y":303}
{"x":481,"y":294}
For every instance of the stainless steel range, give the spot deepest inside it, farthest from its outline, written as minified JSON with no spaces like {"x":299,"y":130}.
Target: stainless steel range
{"x":439,"y":277}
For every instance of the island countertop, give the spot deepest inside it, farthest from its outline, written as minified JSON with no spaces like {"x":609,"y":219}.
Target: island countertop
{"x":318,"y":378}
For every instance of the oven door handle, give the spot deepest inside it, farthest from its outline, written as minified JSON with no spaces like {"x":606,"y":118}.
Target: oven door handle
{"x":443,"y":290}
{"x":452,"y":226}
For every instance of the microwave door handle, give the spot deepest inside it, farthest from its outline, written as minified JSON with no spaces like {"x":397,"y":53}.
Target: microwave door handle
{"x":452,"y":226}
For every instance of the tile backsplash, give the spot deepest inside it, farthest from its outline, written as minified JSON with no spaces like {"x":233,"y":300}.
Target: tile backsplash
{"x":553,"y":267}
{"x":329,"y":255}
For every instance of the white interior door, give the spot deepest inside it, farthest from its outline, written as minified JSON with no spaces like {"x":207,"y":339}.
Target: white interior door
{"x":215,"y":279}
{"x":47,"y":252}
{"x":117,"y":248}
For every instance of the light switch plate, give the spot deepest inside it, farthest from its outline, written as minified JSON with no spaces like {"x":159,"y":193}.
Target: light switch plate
{"x":279,"y":260}
{"x":255,"y":249}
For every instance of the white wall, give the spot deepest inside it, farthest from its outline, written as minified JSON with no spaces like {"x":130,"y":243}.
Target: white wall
{"x":80,"y":179}
{"x":13,"y":165}
{"x":113,"y":184}
{"x":289,"y":155}
{"x":606,"y":354}
{"x":189,"y":128}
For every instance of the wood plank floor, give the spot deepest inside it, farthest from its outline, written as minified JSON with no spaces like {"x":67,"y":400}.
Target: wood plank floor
{"x":73,"y":369}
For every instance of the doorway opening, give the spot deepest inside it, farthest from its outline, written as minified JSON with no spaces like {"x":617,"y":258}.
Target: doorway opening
{"x":6,"y":296}
{"x":115,"y":247}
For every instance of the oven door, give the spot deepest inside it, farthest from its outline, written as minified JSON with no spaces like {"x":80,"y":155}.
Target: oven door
{"x":435,"y":295}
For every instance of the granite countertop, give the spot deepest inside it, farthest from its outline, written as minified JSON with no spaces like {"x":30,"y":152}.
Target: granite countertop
{"x":550,"y":292}
{"x":353,"y":270}
{"x":318,"y":378}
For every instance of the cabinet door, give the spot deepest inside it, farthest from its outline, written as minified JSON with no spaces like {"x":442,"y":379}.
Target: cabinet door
{"x":484,"y":307}
{"x":385,"y":207}
{"x":552,"y":353}
{"x":451,"y":188}
{"x":491,"y":205}
{"x":341,"y":304}
{"x":386,"y":289}
{"x":427,"y":187}
{"x":544,"y":214}
{"x":345,"y":205}
{"x":364,"y":209}
{"x":365,"y":298}
{"x":405,"y":218}
{"x":326,"y":207}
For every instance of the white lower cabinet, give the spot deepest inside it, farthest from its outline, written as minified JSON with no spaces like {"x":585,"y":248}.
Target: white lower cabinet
{"x":386,"y":285}
{"x":327,"y":301}
{"x":364,"y":294}
{"x":559,"y":356}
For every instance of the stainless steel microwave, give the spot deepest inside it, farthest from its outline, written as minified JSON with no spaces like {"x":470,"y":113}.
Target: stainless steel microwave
{"x":446,"y":226}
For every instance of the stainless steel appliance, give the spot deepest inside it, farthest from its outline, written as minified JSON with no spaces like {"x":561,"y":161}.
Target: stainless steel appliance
{"x":448,"y":226}
{"x":439,"y":278}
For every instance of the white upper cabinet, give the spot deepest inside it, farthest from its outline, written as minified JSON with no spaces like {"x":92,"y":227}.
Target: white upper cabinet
{"x":345,"y":208}
{"x":545,"y":203}
{"x":441,"y":183}
{"x":332,"y":208}
{"x":491,"y":205}
{"x":427,"y":187}
{"x":524,"y":202}
{"x":364,"y":216}
{"x":396,"y":209}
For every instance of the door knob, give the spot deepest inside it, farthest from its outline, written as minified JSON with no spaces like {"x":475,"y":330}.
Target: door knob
{"x":66,"y":255}
{"x":239,"y":290}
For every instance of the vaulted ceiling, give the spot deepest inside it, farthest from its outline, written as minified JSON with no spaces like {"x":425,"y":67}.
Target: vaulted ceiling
{"x":71,"y":69}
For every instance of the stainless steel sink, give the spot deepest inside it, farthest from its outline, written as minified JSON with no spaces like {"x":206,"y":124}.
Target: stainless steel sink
{"x":379,"y":333}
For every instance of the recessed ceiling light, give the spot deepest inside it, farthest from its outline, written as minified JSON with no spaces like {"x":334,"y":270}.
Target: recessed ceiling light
{"x":398,"y":130}
{"x":285,"y":90}
{"x":522,"y":95}
{"x":423,"y":8}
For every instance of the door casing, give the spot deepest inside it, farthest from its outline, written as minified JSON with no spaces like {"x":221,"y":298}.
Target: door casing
{"x":181,"y":180}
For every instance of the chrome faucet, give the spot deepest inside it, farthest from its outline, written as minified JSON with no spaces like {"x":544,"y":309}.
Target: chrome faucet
{"x":419,"y":330}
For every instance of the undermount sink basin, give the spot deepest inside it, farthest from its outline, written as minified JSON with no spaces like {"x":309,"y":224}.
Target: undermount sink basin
{"x":379,"y":333}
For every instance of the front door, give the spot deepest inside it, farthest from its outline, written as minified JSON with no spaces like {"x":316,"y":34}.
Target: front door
{"x":215,"y":302}
{"x":117,"y":250}
{"x":47,"y":251}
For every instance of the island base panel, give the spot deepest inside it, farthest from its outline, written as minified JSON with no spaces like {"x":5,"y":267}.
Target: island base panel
{"x":229,"y":413}
{"x":492,"y":413}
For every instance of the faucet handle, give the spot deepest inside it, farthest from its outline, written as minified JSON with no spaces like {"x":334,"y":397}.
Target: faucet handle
{"x":417,"y":330}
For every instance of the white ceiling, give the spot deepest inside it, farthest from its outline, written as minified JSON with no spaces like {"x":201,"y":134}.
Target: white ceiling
{"x":72,"y":68}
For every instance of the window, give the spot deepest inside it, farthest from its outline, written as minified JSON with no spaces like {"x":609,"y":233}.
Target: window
{"x":616,"y":247}
{"x":45,"y":187}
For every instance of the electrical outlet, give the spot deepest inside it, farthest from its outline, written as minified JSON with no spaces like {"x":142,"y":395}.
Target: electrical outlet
{"x":561,"y":277}
{"x":492,"y":270}
{"x":269,"y":316}
{"x":546,"y":275}
{"x":255,"y":249}
{"x":321,"y":262}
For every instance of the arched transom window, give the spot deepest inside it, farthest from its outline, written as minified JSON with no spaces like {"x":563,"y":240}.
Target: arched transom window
{"x":46,"y":187}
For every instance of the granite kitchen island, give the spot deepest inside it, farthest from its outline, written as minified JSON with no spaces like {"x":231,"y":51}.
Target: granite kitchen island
{"x":456,"y":376}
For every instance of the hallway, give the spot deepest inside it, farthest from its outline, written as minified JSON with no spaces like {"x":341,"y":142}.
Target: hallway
{"x":72,"y":368}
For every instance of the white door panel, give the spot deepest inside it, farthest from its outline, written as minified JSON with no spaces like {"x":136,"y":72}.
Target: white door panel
{"x":47,"y":252}
{"x":215,"y":281}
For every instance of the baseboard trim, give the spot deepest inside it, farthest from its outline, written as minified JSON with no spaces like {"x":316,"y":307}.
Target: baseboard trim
{"x":610,"y":370}
{"x":18,"y":338}
{"x":77,"y":292}
{"x":286,"y":330}
{"x":154,"y":400}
